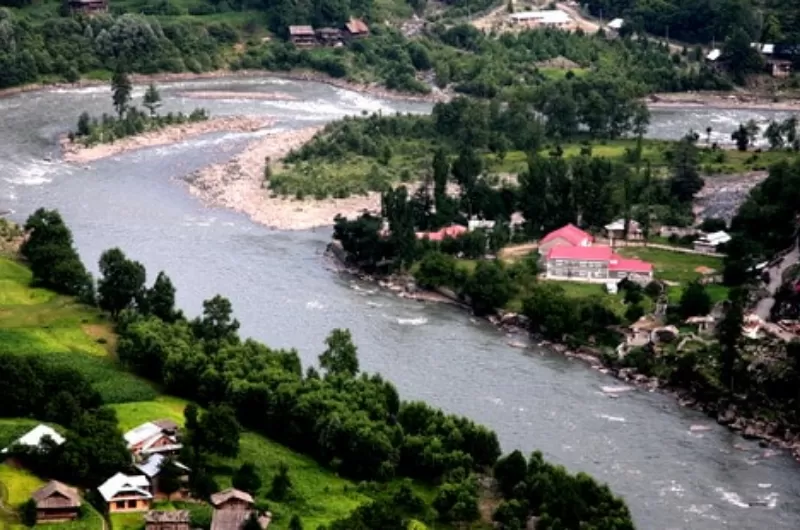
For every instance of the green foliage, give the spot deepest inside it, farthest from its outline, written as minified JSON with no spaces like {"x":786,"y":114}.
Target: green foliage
{"x":169,"y":477}
{"x":695,"y":301}
{"x":295,"y":523}
{"x":437,"y":269}
{"x":121,"y":89}
{"x":281,"y":484}
{"x":122,"y":282}
{"x":457,"y":501}
{"x":51,"y":256}
{"x":27,"y":514}
{"x":341,"y":355}
{"x":152,"y":99}
{"x":246,"y":479}
{"x":489,"y":287}
{"x":217,"y":432}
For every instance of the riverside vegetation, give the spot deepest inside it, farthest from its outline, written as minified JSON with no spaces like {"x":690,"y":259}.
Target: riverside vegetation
{"x":347,"y":422}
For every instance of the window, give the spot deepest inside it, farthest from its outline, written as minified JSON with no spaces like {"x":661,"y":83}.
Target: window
{"x":132,"y":504}
{"x":119,"y":504}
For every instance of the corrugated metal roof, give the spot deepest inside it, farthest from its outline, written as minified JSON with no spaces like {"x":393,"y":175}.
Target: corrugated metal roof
{"x":714,"y":54}
{"x":34,"y":437}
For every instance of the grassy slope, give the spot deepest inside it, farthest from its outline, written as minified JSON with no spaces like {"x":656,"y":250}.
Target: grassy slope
{"x":19,"y":484}
{"x":41,"y":323}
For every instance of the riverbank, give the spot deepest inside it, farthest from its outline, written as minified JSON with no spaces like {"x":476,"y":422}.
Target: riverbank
{"x":239,"y":185}
{"x":722,"y":100}
{"x":372,"y":89}
{"x":78,"y":153}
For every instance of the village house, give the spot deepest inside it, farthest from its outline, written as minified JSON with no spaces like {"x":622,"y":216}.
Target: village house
{"x":477,"y":224}
{"x":598,"y":264}
{"x":355,"y":28}
{"x":709,"y":243}
{"x":566,"y":236}
{"x":151,"y":468}
{"x":616,"y":230}
{"x":329,"y":36}
{"x":452,"y":232}
{"x":232,"y":499}
{"x":87,"y":7}
{"x":34,"y":438}
{"x":549,"y":18}
{"x":302,"y":36}
{"x":56,"y":502}
{"x":124,"y":493}
{"x":160,"y":436}
{"x":166,"y":520}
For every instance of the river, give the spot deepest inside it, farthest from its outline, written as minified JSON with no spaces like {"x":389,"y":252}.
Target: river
{"x":284,"y":294}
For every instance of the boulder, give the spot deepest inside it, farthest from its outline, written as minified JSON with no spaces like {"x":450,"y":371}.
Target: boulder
{"x":727,"y":417}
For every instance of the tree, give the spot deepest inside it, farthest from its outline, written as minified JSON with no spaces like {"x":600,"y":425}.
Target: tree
{"x":121,"y":88}
{"x":489,"y":287}
{"x":742,"y":58}
{"x":695,"y":301}
{"x":774,"y":135}
{"x":741,"y":137}
{"x":441,"y":171}
{"x":217,"y":432}
{"x":729,"y":331}
{"x":170,"y":477}
{"x":246,"y":478}
{"x":281,"y":484}
{"x":341,"y":355}
{"x":152,"y":99}
{"x":685,"y":180}
{"x":28,"y":513}
{"x":161,"y":299}
{"x":509,"y":471}
{"x":84,"y":124}
{"x":122,"y":281}
{"x":217,"y":323}
{"x":457,"y":502}
{"x":251,"y":523}
{"x":295,"y":523}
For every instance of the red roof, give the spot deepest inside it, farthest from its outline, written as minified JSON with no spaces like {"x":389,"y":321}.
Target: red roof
{"x":629,"y":265}
{"x":356,"y":25}
{"x":600,"y":253}
{"x":452,"y":231}
{"x":570,"y":232}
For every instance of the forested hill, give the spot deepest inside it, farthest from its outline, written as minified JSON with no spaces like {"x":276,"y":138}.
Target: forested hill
{"x":705,"y":21}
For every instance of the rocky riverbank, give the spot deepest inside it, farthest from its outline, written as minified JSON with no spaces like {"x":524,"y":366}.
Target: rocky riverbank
{"x":722,"y":100}
{"x":78,"y":153}
{"x":239,"y":185}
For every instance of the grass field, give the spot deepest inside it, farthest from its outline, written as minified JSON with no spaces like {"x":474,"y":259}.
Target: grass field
{"x":126,"y":521}
{"x":38,"y":322}
{"x":135,"y":413}
{"x":13,"y":428}
{"x":673,"y":266}
{"x":18,"y":484}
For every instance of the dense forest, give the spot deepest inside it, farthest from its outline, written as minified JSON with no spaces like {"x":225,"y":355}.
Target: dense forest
{"x":352,"y":422}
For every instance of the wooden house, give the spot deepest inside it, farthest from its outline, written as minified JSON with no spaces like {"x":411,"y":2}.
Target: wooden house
{"x":356,"y":29}
{"x":232,"y":499}
{"x":151,"y":468}
{"x":124,"y":493}
{"x":87,"y":7}
{"x":329,"y":36}
{"x":166,"y":520}
{"x":302,"y":36}
{"x":56,"y":502}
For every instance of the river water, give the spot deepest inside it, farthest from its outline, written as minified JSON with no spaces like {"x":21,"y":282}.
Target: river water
{"x":284,"y":294}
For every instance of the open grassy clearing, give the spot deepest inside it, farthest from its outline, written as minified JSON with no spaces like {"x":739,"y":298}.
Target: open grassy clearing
{"x":37,"y":322}
{"x":127,"y":521}
{"x":673,"y":266}
{"x":19,"y":484}
{"x":13,"y":428}
{"x":135,"y":413}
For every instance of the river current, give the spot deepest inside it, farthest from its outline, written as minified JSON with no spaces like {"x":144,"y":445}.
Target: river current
{"x":284,"y":293}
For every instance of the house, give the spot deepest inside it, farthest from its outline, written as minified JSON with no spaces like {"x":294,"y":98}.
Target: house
{"x":451,"y":232}
{"x":616,"y":230}
{"x":708,"y":243}
{"x":151,"y":468}
{"x":550,"y":18}
{"x":356,"y":29}
{"x":232,"y":499}
{"x":568,"y":235}
{"x":616,"y":24}
{"x":56,"y":502}
{"x":302,"y":36}
{"x":705,"y":324}
{"x":589,"y":264}
{"x":35,"y":436}
{"x":235,"y":519}
{"x":166,"y":520}
{"x":87,"y":7}
{"x":160,"y":436}
{"x":329,"y":36}
{"x":124,"y":493}
{"x":475,"y":224}
{"x":640,"y":331}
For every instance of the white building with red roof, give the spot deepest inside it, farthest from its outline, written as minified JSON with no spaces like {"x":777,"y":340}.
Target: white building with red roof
{"x":593,"y":263}
{"x":566,"y":236}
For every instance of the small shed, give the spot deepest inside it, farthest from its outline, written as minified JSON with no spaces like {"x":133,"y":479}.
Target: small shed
{"x":356,"y":29}
{"x":166,"y":520}
{"x":302,"y":36}
{"x":232,"y":499}
{"x":235,"y":519}
{"x":87,"y":7}
{"x":56,"y":502}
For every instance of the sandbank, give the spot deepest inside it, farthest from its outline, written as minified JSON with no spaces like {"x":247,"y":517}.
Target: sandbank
{"x":239,"y":185}
{"x":77,"y":153}
{"x":229,"y":94}
{"x":722,"y":100}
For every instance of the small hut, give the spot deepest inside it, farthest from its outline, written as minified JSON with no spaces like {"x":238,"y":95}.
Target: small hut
{"x":56,"y":502}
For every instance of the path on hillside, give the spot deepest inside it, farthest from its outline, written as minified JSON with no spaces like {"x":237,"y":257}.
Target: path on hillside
{"x":764,"y":305}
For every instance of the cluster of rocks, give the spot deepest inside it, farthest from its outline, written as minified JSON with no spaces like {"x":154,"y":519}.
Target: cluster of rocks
{"x":722,"y":197}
